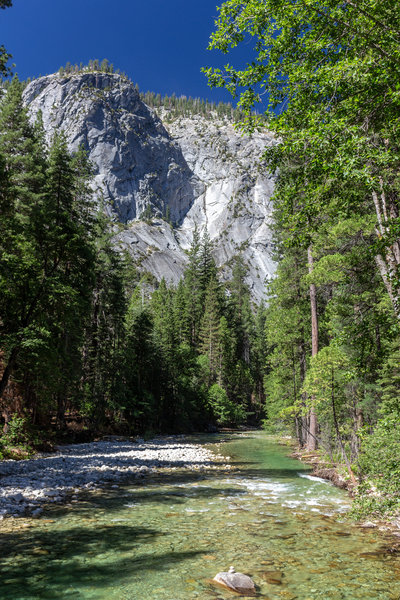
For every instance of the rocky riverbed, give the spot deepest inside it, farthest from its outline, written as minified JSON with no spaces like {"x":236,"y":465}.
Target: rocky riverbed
{"x":27,"y":485}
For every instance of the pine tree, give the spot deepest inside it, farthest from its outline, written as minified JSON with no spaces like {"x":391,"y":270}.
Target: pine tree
{"x":207,"y":266}
{"x":104,"y":336}
{"x":182,"y":322}
{"x":242,"y":315}
{"x":210,"y":332}
{"x":23,"y":160}
{"x":67,"y":260}
{"x":23,"y":167}
{"x":46,"y":257}
{"x":4,"y":56}
{"x":193,"y":289}
{"x":142,"y":372}
{"x":390,"y":383}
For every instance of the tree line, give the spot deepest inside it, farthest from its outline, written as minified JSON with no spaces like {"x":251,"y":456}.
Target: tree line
{"x":94,"y":65}
{"x":183,"y":106}
{"x":177,"y":106}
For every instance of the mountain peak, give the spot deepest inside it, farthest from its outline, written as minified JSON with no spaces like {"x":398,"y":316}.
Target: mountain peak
{"x":189,"y":171}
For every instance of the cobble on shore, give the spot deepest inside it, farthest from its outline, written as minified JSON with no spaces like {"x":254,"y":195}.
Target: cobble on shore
{"x":27,"y":485}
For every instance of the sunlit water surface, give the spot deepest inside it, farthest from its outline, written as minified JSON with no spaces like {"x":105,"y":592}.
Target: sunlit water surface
{"x":164,"y":539}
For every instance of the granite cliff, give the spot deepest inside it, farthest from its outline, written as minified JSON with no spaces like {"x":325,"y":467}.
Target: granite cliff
{"x":187,"y":171}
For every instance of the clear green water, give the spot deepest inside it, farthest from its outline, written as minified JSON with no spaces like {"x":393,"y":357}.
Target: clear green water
{"x":165,"y":538}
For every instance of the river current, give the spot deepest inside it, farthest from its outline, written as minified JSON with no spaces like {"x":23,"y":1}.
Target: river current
{"x":166,"y":538}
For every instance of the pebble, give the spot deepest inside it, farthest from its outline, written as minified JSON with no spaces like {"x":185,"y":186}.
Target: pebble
{"x":26,"y":485}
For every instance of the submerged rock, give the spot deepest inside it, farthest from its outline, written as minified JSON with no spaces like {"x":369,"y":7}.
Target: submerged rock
{"x":238,"y":582}
{"x":273,"y":577}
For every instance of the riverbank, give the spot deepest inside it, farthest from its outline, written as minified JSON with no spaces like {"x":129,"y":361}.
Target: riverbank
{"x":26,"y":486}
{"x":324,"y":470}
{"x":337,"y":475}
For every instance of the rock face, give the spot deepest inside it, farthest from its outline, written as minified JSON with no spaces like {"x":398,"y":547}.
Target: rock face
{"x":189,"y":171}
{"x":235,"y":206}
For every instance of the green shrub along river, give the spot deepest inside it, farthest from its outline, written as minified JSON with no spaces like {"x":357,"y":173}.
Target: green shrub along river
{"x":166,"y":537}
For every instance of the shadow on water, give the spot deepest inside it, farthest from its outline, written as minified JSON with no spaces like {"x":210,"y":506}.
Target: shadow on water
{"x":150,"y":539}
{"x":270,"y":473}
{"x":75,"y":541}
{"x":146,"y":490}
{"x":77,"y":550}
{"x":49,"y":556}
{"x":113,"y":501}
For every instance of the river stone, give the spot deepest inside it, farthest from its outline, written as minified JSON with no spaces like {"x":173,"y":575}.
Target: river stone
{"x":369,"y":525}
{"x":238,"y":582}
{"x":273,"y":577}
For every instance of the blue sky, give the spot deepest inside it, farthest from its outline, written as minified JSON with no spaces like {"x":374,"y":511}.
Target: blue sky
{"x":160,"y":44}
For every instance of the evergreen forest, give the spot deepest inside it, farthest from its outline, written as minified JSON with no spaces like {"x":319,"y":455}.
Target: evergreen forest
{"x":85,"y":340}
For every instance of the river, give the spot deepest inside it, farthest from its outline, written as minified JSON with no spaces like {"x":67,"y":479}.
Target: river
{"x":165,"y":538}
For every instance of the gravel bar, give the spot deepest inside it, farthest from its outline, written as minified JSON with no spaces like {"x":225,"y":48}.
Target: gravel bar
{"x":27,"y":485}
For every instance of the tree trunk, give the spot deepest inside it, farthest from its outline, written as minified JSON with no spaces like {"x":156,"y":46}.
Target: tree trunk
{"x":388,"y":262}
{"x":298,"y":419}
{"x":338,"y":434}
{"x":303,"y":425}
{"x":8,"y":370}
{"x":358,"y":422}
{"x":313,"y":425}
{"x":304,"y":418}
{"x":62,"y":394}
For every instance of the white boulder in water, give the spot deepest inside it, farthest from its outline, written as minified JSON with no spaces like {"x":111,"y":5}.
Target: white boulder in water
{"x":238,"y":582}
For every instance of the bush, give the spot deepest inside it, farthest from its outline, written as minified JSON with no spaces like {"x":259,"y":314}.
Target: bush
{"x":379,"y":464}
{"x":19,"y":439}
{"x":225,"y":411}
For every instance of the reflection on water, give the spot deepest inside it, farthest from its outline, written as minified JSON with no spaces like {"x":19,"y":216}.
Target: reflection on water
{"x":166,"y":538}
